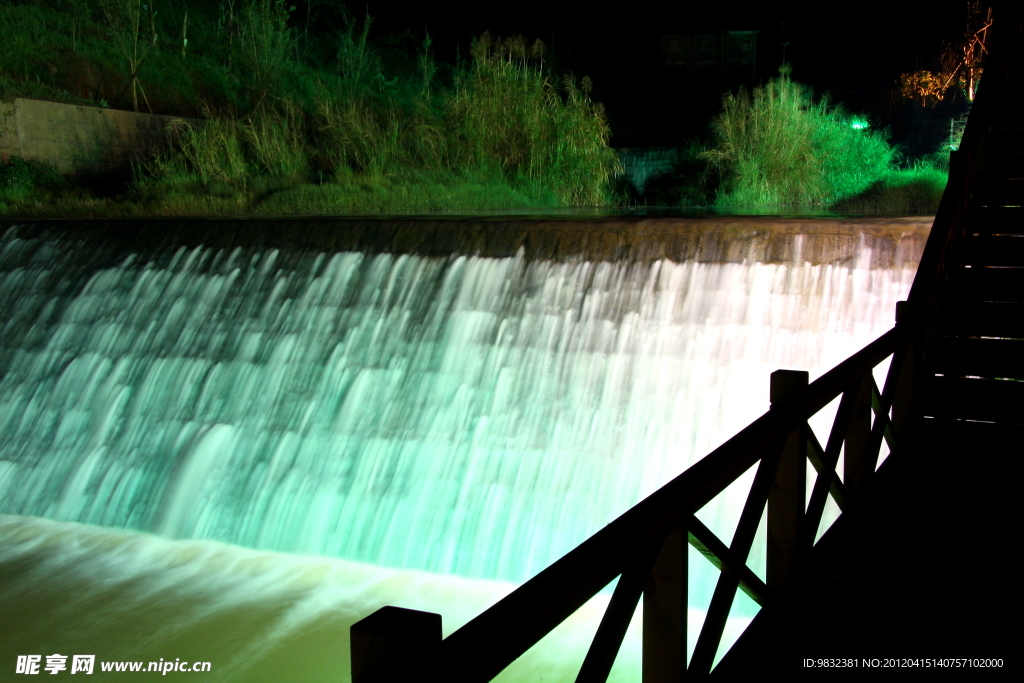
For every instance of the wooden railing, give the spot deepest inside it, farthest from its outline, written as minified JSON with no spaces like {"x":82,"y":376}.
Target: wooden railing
{"x":646,"y":548}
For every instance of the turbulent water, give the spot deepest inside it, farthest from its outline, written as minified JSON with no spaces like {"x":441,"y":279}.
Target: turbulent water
{"x":455,"y":418}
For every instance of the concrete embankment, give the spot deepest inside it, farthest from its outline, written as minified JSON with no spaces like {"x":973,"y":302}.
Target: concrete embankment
{"x":720,"y":239}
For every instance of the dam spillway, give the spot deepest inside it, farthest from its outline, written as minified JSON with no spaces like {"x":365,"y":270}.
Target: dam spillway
{"x":462,"y":398}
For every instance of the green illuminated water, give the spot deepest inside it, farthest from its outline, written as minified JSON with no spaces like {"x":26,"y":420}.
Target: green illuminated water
{"x":469,"y":417}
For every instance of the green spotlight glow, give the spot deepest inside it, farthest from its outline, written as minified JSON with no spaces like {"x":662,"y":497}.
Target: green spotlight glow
{"x":858,"y":123}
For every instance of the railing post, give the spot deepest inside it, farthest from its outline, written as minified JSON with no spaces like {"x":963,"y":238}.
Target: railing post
{"x":902,"y":402}
{"x":859,"y":462}
{"x":664,"y":633}
{"x":396,"y":644}
{"x":787,"y":498}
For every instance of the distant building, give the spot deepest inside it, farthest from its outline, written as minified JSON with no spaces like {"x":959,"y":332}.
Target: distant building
{"x":712,"y":63}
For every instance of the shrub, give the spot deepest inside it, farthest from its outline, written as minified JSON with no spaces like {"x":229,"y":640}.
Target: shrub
{"x":779,"y":146}
{"x":20,"y":178}
{"x":507,"y":111}
{"x":207,"y":152}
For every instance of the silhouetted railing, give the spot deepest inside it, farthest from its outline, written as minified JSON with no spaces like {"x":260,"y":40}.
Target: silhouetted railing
{"x":646,"y":548}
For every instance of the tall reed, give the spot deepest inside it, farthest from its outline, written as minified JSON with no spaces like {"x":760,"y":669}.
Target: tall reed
{"x":503,"y":117}
{"x":779,"y":146}
{"x":343,"y":109}
{"x":507,"y":110}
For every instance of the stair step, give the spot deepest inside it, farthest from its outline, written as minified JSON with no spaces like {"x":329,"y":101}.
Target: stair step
{"x":999,"y":192}
{"x":993,"y":284}
{"x":994,"y":251}
{"x":985,"y":400}
{"x":997,"y":220}
{"x":1009,"y":165}
{"x":991,"y":358}
{"x":1005,"y":140}
{"x":1004,"y":320}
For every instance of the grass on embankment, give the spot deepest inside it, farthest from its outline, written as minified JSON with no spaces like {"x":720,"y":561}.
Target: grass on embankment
{"x":280,"y":197}
{"x":915,"y":191}
{"x":779,"y":149}
{"x":305,"y":123}
{"x":300,"y":122}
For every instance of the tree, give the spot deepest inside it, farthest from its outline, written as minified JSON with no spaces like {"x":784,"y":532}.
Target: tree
{"x":265,"y":43}
{"x":124,"y":18}
{"x":960,"y":63}
{"x":77,"y":12}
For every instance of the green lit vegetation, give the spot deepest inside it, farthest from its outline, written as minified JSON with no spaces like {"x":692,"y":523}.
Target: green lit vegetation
{"x":296,"y":123}
{"x":914,"y":191}
{"x":780,"y":147}
{"x":859,"y":123}
{"x":24,"y":180}
{"x":301,"y":120}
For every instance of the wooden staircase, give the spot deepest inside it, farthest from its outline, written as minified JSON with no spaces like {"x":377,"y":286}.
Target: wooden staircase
{"x":979,"y":350}
{"x":917,"y":574}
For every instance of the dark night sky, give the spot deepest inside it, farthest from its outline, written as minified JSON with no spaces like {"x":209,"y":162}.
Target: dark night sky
{"x":854,"y":50}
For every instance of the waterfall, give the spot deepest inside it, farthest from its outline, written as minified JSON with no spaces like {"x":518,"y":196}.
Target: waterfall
{"x":465,"y":416}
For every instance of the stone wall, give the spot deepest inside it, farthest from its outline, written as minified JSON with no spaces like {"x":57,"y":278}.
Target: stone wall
{"x":74,"y":137}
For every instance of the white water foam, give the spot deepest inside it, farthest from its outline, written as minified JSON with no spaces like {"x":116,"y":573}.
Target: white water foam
{"x":462,"y":416}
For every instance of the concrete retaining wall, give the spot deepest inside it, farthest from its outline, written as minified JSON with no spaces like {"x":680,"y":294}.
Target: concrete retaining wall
{"x":74,"y":137}
{"x":893,"y":242}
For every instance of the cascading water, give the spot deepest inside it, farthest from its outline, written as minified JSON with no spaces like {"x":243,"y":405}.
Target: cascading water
{"x":466,"y":417}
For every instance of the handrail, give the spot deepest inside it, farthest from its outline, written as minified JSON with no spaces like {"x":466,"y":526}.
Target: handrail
{"x":630,"y":542}
{"x":644,"y":541}
{"x":535,"y":608}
